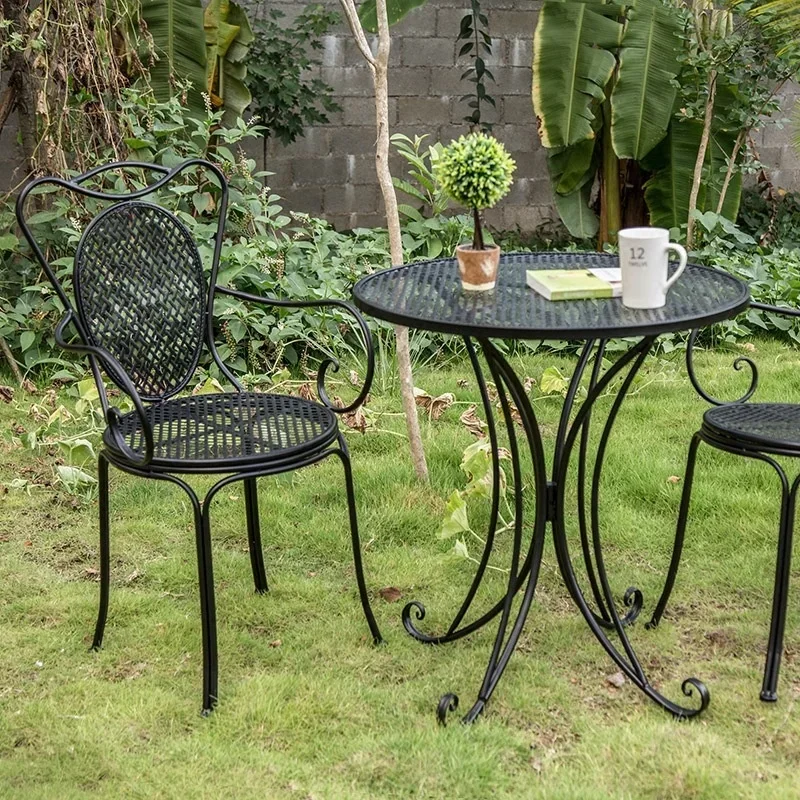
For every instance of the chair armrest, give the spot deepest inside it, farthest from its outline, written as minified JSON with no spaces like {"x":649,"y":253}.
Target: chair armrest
{"x":328,"y":362}
{"x":786,"y":312}
{"x":112,"y":414}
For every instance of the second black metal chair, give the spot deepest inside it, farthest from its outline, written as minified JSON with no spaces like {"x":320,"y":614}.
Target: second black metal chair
{"x":759,"y":431}
{"x":143,"y":311}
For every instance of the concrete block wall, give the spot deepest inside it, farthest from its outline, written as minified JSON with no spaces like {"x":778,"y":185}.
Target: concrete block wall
{"x":331,"y":171}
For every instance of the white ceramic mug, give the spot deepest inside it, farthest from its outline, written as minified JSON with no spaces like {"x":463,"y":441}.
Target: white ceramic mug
{"x":644,"y":264}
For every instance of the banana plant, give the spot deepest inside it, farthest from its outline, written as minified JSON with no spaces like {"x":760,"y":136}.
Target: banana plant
{"x":228,"y":37}
{"x":603,"y":89}
{"x":176,"y":28}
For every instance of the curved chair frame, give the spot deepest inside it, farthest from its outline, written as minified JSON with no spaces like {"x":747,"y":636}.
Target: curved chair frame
{"x":144,"y":460}
{"x":760,"y":451}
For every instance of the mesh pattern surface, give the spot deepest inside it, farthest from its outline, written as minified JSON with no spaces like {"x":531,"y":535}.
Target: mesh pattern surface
{"x":428,"y":295}
{"x":776,"y":424}
{"x":141,"y":294}
{"x":231,"y":428}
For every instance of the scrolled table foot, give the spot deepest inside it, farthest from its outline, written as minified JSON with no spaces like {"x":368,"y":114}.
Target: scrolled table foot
{"x":633,"y":600}
{"x":688,"y":687}
{"x":418,"y":610}
{"x":447,"y":704}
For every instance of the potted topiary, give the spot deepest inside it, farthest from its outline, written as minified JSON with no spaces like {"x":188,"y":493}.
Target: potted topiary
{"x":475,"y":171}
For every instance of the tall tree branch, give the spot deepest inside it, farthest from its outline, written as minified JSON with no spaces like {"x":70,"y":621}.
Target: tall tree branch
{"x":379,"y":64}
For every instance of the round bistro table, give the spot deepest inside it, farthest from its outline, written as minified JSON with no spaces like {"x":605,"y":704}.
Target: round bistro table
{"x":428,"y":295}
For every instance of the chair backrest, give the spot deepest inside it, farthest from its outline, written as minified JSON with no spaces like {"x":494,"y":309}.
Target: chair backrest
{"x":141,"y":294}
{"x":139,"y":287}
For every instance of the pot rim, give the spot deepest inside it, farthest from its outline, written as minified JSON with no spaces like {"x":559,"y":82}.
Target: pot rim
{"x":468,"y":248}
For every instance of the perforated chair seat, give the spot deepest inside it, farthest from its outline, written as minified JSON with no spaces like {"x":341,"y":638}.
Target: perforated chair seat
{"x":770,"y":427}
{"x":217,"y":432}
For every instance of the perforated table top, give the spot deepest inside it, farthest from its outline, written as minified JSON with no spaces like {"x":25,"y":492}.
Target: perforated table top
{"x":428,"y":295}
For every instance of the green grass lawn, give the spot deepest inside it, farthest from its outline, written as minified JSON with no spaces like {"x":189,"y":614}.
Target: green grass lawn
{"x":310,"y":709}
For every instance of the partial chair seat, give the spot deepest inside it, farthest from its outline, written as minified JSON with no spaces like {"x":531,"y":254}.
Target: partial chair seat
{"x":228,"y":431}
{"x":765,"y":427}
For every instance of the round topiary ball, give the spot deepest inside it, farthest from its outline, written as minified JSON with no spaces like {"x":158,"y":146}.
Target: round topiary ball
{"x":475,"y":170}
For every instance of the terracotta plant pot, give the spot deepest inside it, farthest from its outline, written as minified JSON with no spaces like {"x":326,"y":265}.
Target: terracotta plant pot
{"x":478,"y":268}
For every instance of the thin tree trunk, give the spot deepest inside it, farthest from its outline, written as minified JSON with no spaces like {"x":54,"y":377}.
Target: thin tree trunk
{"x":729,"y":173}
{"x":701,"y":156}
{"x":379,"y":65}
{"x":12,"y":363}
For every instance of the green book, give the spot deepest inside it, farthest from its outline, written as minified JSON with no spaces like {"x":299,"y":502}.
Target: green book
{"x":575,"y":284}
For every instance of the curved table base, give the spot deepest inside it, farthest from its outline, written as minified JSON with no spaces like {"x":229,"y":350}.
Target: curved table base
{"x":602,"y":616}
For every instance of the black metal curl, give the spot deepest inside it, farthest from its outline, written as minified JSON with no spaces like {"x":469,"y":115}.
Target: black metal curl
{"x":327,"y":363}
{"x":633,"y":600}
{"x":688,"y":687}
{"x":737,"y":365}
{"x":110,"y":364}
{"x":447,"y":704}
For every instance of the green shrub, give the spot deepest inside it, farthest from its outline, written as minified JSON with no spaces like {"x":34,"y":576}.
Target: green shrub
{"x":265,"y":251}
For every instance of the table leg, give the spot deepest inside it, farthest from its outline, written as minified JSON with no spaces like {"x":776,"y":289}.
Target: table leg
{"x":633,"y":597}
{"x":510,"y":390}
{"x":416,"y":608}
{"x":626,"y":660}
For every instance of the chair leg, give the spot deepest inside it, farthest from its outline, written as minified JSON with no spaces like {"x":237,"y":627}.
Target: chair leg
{"x":780,"y":594}
{"x":208,"y":616}
{"x":680,"y":531}
{"x":105,"y":553}
{"x":254,"y":535}
{"x":344,"y":454}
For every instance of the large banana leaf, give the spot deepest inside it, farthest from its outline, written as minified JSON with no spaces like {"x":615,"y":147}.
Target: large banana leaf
{"x":395,"y":11}
{"x":176,"y":27}
{"x":572,"y":171}
{"x":641,"y":103}
{"x":667,"y":191}
{"x":228,"y":37}
{"x":572,"y":167}
{"x":579,"y":219}
{"x":571,"y":67}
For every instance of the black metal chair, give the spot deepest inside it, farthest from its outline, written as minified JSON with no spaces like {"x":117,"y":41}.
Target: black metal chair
{"x":758,"y":431}
{"x":143,"y":311}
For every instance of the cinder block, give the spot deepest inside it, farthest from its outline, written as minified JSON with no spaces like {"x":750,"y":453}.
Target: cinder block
{"x":410,"y":81}
{"x":353,"y":140}
{"x":281,"y":169}
{"x":427,"y":110}
{"x":527,"y":219}
{"x":320,"y":171}
{"x":419,"y":22}
{"x":513,"y":80}
{"x":540,"y":192}
{"x":520,"y":50}
{"x":448,"y":20}
{"x":446,"y":82}
{"x":313,"y":142}
{"x":333,"y":50}
{"x":518,"y":110}
{"x":349,"y":199}
{"x":361,"y":110}
{"x":511,"y":23}
{"x":361,"y":169}
{"x":532,"y":165}
{"x":428,"y":51}
{"x":353,"y":81}
{"x":518,"y":138}
{"x":307,"y":199}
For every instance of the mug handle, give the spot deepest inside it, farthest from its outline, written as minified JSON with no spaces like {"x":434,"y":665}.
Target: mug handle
{"x":681,"y":251}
